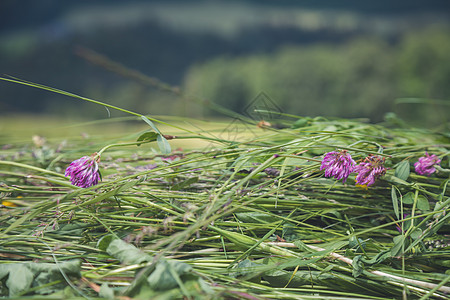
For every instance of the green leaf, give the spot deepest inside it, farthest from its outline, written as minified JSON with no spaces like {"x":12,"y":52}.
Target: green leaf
{"x":395,"y":201}
{"x":399,"y":240}
{"x":104,"y":242}
{"x":301,"y":123}
{"x":408,"y":198}
{"x":328,"y":247}
{"x":395,"y":180}
{"x":440,"y":205}
{"x":247,"y":270}
{"x":48,"y":272}
{"x":409,"y":224}
{"x":127,"y":253}
{"x":422,"y":203}
{"x":416,"y":233}
{"x":256,"y":217}
{"x":402,"y":170}
{"x":358,"y":266}
{"x":20,"y":277}
{"x":163,"y":144}
{"x":162,"y":279}
{"x":161,"y":275}
{"x":380,"y":257}
{"x":147,"y":137}
{"x":146,"y":120}
{"x":106,"y":291}
{"x":19,"y":280}
{"x":326,"y":270}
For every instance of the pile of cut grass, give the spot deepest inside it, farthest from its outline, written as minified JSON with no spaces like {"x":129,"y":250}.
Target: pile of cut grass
{"x":249,"y":217}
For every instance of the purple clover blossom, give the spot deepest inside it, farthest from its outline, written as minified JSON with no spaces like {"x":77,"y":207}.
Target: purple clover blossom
{"x":370,"y":170}
{"x":84,"y":172}
{"x":338,"y":164}
{"x":425,"y":165}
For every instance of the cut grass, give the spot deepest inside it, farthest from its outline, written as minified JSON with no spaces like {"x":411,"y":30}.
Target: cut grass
{"x":243,"y":232}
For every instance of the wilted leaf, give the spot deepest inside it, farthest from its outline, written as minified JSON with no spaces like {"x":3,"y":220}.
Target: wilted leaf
{"x":106,"y":291}
{"x":23,"y":276}
{"x":49,"y":272}
{"x":248,"y":270}
{"x":19,"y":279}
{"x":356,"y":243}
{"x":162,"y":279}
{"x":163,"y":275}
{"x":358,"y":266}
{"x":127,"y":253}
{"x":380,"y":257}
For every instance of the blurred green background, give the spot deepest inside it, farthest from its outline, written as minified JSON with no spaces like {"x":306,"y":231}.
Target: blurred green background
{"x":329,"y":58}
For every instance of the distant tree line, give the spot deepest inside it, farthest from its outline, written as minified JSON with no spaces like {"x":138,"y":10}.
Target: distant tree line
{"x":360,"y":78}
{"x":328,"y":73}
{"x":24,"y":13}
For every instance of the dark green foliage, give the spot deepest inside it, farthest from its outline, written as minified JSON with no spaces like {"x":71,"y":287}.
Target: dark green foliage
{"x":360,"y":78}
{"x":147,"y":137}
{"x":159,"y":275}
{"x":17,"y":279}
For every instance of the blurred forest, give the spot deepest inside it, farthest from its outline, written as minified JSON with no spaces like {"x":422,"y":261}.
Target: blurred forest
{"x":330,"y":58}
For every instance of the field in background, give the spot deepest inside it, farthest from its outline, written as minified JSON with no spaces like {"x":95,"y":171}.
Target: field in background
{"x":21,"y":129}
